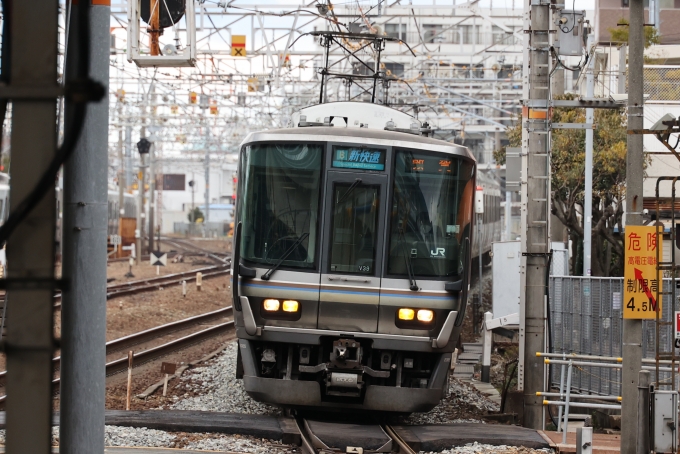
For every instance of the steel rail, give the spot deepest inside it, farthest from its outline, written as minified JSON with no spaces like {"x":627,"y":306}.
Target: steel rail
{"x":154,"y":284}
{"x":152,"y":354}
{"x":403,"y":446}
{"x":306,"y":444}
{"x":143,"y":285}
{"x":160,"y":279}
{"x":121,"y":365}
{"x":183,"y":244}
{"x":126,"y":342}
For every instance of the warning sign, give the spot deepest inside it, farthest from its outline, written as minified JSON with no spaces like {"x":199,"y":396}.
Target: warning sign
{"x":641,"y":278}
{"x":238,"y":45}
{"x":159,"y":258}
{"x":677,"y":325}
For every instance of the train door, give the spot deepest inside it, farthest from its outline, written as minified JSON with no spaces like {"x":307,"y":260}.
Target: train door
{"x":352,"y":254}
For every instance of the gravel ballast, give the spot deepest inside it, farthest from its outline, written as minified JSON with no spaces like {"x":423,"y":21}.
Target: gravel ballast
{"x":218,"y":388}
{"x":143,"y":437}
{"x":477,"y":448}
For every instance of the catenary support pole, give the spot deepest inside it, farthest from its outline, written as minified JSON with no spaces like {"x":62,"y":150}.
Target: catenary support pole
{"x":632,"y":329}
{"x":152,"y":199}
{"x":207,"y":176}
{"x":128,"y":155}
{"x":535,"y":241}
{"x":31,"y":248}
{"x":83,"y":314}
{"x":588,"y":198}
{"x":121,"y":185}
{"x":141,"y":216}
{"x":152,"y":166}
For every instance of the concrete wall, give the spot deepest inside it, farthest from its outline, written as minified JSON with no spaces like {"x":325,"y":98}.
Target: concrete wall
{"x":176,"y":204}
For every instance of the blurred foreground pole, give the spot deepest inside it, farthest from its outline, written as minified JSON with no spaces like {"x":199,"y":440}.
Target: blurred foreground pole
{"x":632,"y":329}
{"x":29,"y":344}
{"x":83,"y":314}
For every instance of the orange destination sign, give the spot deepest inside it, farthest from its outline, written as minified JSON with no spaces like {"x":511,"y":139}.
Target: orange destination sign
{"x":641,"y":279}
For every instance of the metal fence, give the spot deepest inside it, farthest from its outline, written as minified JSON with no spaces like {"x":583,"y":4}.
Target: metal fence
{"x":587,"y":319}
{"x":205,"y":230}
{"x":662,"y":82}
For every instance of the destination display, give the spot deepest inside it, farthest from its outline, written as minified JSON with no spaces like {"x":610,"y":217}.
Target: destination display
{"x":431,"y":165}
{"x":359,"y":158}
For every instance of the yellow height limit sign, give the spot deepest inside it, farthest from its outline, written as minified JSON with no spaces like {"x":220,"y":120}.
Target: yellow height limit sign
{"x":641,"y":278}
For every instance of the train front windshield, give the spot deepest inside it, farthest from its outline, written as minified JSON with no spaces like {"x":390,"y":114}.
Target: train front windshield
{"x":429,"y":218}
{"x":280,"y":204}
{"x":428,"y":212}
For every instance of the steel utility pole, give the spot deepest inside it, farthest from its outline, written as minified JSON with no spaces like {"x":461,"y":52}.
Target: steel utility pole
{"x":536,"y":199}
{"x":128,"y":154}
{"x":31,"y":248}
{"x":83,"y":314}
{"x":121,"y":183}
{"x":588,"y":198}
{"x":632,"y":329}
{"x":207,"y":176}
{"x":152,"y":173}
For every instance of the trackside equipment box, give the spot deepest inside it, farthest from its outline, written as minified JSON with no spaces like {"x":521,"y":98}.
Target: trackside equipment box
{"x":506,"y":282}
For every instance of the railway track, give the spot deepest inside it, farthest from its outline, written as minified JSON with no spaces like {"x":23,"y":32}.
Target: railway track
{"x":143,"y":285}
{"x":153,"y":353}
{"x":321,"y":437}
{"x":194,"y":249}
{"x":153,"y":283}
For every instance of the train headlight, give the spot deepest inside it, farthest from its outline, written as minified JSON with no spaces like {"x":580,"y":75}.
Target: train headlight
{"x":406,"y":313}
{"x":271,"y":305}
{"x":290,"y":306}
{"x":425,"y":315}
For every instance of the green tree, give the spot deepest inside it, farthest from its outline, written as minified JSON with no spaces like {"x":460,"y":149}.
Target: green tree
{"x":568,"y":181}
{"x":619,"y":34}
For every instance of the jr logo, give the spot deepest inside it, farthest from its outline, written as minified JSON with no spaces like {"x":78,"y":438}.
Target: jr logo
{"x":438,"y":252}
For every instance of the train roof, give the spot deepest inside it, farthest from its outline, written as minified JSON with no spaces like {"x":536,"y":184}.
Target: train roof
{"x":341,"y":134}
{"x":347,"y":121}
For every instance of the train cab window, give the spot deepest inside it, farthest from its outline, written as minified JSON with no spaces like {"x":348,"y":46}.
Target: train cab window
{"x":430,"y":214}
{"x":354,"y":228}
{"x":280,"y":201}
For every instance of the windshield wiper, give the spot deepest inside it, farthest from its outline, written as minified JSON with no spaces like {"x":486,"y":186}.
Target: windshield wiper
{"x":413,"y":285}
{"x":267,"y":275}
{"x":353,"y":186}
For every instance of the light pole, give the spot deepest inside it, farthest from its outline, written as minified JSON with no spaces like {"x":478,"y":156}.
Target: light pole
{"x":143,"y":147}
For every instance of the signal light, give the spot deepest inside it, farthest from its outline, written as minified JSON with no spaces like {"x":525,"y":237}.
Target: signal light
{"x":271,"y":305}
{"x":290,"y":306}
{"x":406,"y":314}
{"x":425,"y":315}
